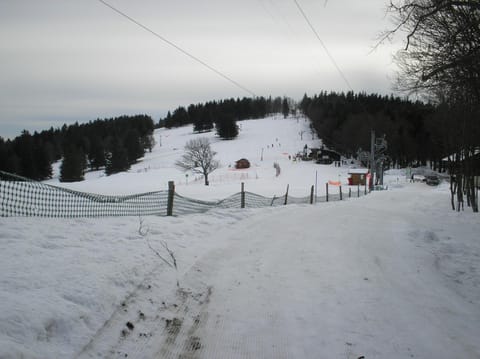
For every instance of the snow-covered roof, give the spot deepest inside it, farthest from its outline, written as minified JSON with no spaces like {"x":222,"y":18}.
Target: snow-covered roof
{"x":359,"y":171}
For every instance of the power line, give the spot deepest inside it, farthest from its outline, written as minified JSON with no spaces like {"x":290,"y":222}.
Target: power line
{"x":193,"y":57}
{"x":323,"y":45}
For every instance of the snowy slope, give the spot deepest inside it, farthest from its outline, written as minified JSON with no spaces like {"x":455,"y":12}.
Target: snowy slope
{"x":391,"y":275}
{"x":278,"y":137}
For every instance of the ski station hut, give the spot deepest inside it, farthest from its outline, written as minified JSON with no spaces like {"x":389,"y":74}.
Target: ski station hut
{"x":357,"y":176}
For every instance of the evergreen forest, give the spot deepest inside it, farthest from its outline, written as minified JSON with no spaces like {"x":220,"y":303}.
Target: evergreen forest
{"x":413,"y":131}
{"x":344,"y":123}
{"x":112,"y":144}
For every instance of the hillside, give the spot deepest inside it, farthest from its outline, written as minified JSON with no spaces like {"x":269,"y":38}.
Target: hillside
{"x":278,"y":137}
{"x":390,"y":275}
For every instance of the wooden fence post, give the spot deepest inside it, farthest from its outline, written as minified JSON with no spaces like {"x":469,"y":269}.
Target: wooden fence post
{"x":286,"y":195}
{"x":326,"y":184}
{"x":311,"y":194}
{"x":171,"y":193}
{"x":242,"y":196}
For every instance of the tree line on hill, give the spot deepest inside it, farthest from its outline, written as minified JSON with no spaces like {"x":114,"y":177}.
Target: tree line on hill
{"x":344,"y":122}
{"x":223,"y":115}
{"x":113,"y":144}
{"x":413,"y":130}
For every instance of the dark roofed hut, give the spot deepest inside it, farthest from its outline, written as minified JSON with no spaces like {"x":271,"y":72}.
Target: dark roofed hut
{"x":242,"y":163}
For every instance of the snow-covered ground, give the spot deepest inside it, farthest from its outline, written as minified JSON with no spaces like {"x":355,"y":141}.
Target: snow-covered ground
{"x":394,"y":274}
{"x":278,"y":137}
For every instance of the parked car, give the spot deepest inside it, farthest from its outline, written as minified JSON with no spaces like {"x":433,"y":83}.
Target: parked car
{"x":432,"y":180}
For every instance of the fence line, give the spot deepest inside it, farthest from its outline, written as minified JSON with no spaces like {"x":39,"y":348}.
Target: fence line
{"x":23,"y":197}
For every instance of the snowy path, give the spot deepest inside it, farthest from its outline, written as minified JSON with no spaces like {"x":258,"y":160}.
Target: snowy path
{"x":301,"y":294}
{"x":321,"y":291}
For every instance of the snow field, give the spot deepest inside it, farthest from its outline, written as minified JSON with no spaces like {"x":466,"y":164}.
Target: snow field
{"x":394,"y":274}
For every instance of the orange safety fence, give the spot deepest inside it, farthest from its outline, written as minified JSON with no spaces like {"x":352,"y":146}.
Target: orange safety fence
{"x":335,"y":183}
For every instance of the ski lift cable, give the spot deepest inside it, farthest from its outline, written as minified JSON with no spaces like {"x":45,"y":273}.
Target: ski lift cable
{"x":332,"y":59}
{"x":177,"y":47}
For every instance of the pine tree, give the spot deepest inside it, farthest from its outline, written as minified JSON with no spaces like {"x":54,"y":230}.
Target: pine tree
{"x":43,"y":157}
{"x":133,"y":146}
{"x":285,"y":108}
{"x":73,"y":164}
{"x":96,"y":156}
{"x":227,"y":128}
{"x":117,"y":158}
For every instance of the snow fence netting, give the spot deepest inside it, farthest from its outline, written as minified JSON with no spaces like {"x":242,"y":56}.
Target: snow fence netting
{"x":20,"y":196}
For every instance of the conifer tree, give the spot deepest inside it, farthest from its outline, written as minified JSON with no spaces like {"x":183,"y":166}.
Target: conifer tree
{"x":285,"y":108}
{"x":226,"y":126}
{"x":117,"y":158}
{"x":73,"y":164}
{"x":96,"y":156}
{"x":133,"y":146}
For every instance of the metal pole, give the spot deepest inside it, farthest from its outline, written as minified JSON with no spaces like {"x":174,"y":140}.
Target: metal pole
{"x":286,"y":194}
{"x":316,"y":178}
{"x":326,"y":184}
{"x":311,"y":195}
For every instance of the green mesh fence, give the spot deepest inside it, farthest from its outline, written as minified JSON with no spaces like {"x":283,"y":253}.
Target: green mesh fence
{"x":23,"y":197}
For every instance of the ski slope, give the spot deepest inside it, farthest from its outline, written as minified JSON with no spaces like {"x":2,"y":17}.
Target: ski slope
{"x":394,"y":274}
{"x":278,"y":137}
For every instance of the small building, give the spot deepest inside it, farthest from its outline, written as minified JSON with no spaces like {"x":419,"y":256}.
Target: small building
{"x":242,"y":163}
{"x":357,"y":176}
{"x":327,"y":157}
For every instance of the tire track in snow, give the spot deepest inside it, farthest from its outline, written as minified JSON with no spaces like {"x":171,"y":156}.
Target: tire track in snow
{"x":100,"y":342}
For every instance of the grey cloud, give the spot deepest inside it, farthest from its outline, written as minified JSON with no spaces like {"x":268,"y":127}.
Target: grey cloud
{"x":79,"y":60}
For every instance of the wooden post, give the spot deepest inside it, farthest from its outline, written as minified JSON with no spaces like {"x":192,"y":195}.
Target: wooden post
{"x":171,"y":193}
{"x":286,"y":195}
{"x":358,"y":190}
{"x":366,"y":187}
{"x":349,"y":192}
{"x":242,"y":196}
{"x":341,"y":196}
{"x":326,"y":184}
{"x":311,"y":194}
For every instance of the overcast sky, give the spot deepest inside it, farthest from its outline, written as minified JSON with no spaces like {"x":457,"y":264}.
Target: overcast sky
{"x":77,"y":60}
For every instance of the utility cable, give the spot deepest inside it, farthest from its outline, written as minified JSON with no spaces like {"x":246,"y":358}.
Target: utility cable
{"x":324,"y":46}
{"x":193,"y":57}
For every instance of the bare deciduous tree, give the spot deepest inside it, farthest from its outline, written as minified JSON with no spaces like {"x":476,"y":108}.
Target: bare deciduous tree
{"x":198,"y":158}
{"x":442,"y":50}
{"x":441,"y":59}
